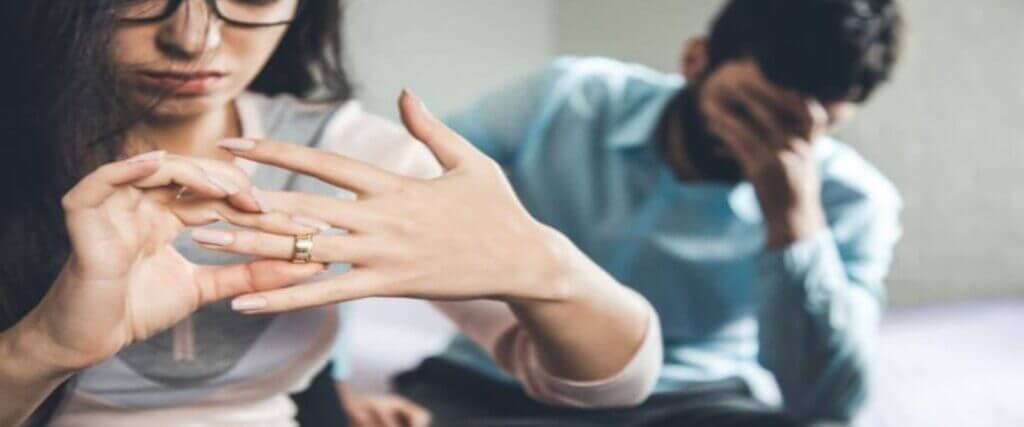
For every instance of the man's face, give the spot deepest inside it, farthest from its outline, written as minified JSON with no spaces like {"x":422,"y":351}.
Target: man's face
{"x":738,"y":98}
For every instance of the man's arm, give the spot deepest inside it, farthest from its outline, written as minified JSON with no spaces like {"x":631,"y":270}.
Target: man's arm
{"x":820,"y":282}
{"x":819,"y":309}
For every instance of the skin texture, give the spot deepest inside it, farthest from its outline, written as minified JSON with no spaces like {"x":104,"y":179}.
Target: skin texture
{"x":128,"y":212}
{"x":769,"y":131}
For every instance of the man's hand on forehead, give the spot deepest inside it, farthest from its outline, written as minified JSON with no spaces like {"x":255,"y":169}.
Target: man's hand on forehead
{"x":741,"y":90}
{"x":770,"y":131}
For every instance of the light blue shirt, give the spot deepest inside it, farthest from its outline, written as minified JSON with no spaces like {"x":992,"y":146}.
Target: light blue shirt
{"x":578,"y":143}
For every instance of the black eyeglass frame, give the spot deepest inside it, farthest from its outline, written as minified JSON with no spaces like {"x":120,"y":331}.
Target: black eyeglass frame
{"x":173,"y":5}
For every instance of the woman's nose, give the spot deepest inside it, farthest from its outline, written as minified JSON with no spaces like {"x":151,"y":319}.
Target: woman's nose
{"x":191,"y":31}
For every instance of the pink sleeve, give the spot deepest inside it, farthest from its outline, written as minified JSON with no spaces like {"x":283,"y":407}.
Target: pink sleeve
{"x":493,"y":326}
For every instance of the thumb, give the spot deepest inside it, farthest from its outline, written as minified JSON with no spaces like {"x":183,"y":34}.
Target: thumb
{"x":449,"y":147}
{"x":220,"y":282}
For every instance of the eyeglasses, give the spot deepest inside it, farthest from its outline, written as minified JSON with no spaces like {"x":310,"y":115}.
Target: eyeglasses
{"x":245,"y":13}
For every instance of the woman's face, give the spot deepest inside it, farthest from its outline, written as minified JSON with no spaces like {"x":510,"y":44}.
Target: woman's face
{"x":195,"y":61}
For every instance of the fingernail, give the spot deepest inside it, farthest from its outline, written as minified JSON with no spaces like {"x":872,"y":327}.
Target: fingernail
{"x":151,"y":156}
{"x":419,"y":102}
{"x":237,"y":144}
{"x":261,"y":200}
{"x":212,"y":237}
{"x":311,"y":223}
{"x":248,"y":303}
{"x":227,"y":186}
{"x":819,"y":115}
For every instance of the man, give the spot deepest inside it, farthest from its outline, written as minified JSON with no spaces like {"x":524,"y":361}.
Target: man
{"x":762,"y":243}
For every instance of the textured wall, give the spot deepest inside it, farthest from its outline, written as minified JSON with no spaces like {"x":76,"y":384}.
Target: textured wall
{"x":448,"y":51}
{"x":947,"y":131}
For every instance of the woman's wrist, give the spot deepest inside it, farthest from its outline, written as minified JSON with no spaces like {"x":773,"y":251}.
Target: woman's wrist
{"x":554,"y":269}
{"x":579,"y":310}
{"x":25,"y":378}
{"x":34,"y":355}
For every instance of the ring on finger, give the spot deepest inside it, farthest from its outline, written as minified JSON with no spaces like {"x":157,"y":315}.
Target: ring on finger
{"x":302,"y":250}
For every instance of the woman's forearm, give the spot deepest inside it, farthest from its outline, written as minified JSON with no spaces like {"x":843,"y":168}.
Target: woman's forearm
{"x":26,"y":378}
{"x":595,"y":327}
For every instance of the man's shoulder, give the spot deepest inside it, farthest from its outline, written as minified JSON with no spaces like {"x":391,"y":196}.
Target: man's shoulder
{"x":849,"y":180}
{"x":605,"y":79}
{"x":618,"y":100}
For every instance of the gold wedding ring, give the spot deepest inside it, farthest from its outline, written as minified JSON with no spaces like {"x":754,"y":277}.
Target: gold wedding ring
{"x":302,"y":251}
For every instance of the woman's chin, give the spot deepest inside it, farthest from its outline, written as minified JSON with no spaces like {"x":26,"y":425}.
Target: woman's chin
{"x":174,"y":107}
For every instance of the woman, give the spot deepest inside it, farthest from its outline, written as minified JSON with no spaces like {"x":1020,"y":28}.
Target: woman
{"x":98,"y":284}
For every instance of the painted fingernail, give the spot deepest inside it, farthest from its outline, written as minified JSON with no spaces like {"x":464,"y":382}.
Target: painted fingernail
{"x":419,"y":102}
{"x":225,"y":185}
{"x":237,"y":144}
{"x":261,"y":200}
{"x":152,"y":156}
{"x":248,"y":303}
{"x":212,"y":237}
{"x":311,"y":223}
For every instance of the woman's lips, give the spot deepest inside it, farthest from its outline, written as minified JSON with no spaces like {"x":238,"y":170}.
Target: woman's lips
{"x":192,"y":83}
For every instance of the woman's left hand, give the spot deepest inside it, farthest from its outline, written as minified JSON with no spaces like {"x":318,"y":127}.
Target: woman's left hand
{"x":461,"y":236}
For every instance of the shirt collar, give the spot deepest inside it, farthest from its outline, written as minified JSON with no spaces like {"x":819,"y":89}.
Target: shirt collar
{"x":638,"y":127}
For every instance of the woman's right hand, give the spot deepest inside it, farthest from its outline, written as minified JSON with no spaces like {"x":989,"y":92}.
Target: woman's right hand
{"x":124,"y":281}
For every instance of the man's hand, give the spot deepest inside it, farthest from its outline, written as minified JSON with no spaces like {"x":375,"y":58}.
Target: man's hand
{"x":381,"y":410}
{"x":770,"y":131}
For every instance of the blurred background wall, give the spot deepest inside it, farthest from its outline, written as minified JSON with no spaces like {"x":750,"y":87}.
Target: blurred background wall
{"x":945,"y":131}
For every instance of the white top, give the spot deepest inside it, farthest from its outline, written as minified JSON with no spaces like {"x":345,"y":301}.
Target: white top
{"x":220,"y":368}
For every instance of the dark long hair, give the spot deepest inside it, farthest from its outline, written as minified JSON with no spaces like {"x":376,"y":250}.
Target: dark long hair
{"x":61,"y":116}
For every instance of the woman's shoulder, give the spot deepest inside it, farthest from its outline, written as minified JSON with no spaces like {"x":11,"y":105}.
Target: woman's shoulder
{"x":344,"y":128}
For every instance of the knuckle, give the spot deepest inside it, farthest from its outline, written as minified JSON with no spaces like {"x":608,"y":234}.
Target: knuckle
{"x":259,"y":241}
{"x":397,"y":186}
{"x":69,"y":202}
{"x":104,"y":169}
{"x":269,"y":221}
{"x":402,"y":226}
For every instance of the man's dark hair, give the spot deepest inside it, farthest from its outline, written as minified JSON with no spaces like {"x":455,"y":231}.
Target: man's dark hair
{"x":828,"y":49}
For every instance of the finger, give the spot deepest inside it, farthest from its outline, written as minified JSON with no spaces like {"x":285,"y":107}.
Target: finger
{"x":203,"y":212}
{"x":229,"y":175}
{"x":354,"y":285}
{"x":335,"y":169}
{"x":361,"y":418}
{"x":449,"y":147}
{"x":765,"y":118}
{"x":219,"y":282}
{"x":386,"y":416}
{"x":345,"y":214}
{"x":741,"y":140}
{"x":819,"y":116}
{"x":185,"y":173}
{"x":326,"y":249}
{"x":413,"y":415}
{"x":790,"y":109}
{"x":96,"y":187}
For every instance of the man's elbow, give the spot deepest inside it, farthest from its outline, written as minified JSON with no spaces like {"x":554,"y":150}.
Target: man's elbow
{"x":839,"y":399}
